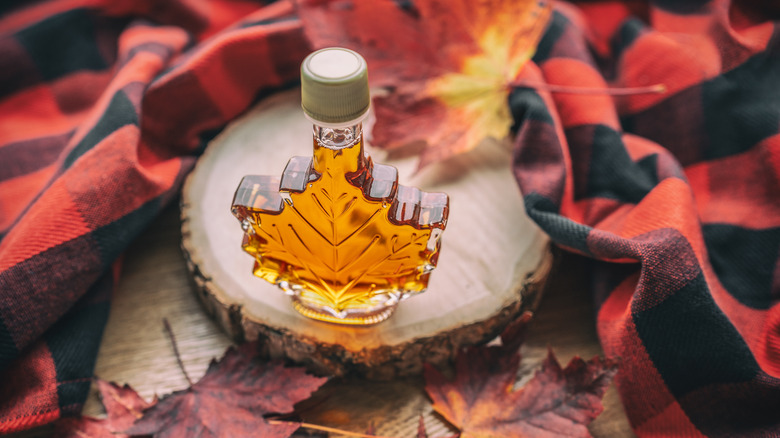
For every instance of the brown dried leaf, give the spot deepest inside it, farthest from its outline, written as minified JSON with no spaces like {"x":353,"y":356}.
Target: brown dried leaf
{"x":556,"y":402}
{"x":231,"y":400}
{"x":123,"y":407}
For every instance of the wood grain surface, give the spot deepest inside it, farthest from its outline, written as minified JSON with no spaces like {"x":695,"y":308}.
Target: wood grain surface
{"x":154,"y":285}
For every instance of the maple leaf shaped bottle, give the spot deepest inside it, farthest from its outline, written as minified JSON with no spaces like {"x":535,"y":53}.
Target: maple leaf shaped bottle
{"x":337,"y":232}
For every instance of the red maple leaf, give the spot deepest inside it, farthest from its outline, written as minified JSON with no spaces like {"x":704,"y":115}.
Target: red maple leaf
{"x":231,"y":400}
{"x":449,"y":64}
{"x":123,"y":407}
{"x":481,"y":400}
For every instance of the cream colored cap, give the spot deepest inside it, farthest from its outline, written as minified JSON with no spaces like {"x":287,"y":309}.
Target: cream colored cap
{"x":334,"y":85}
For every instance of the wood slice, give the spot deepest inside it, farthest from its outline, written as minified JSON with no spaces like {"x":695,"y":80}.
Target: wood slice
{"x":493,"y":259}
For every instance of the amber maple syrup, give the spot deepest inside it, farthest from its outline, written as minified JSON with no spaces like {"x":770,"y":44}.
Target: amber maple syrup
{"x":338,"y":233}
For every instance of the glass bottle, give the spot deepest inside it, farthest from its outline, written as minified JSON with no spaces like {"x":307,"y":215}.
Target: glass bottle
{"x":337,"y":232}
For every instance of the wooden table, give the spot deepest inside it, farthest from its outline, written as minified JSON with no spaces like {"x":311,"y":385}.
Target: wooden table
{"x":155,"y":285}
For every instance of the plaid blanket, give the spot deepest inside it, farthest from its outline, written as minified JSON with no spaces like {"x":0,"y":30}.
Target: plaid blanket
{"x":105,"y":105}
{"x":677,"y":197}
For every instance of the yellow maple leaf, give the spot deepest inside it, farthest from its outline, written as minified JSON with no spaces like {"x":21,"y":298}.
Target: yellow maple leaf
{"x":449,"y":68}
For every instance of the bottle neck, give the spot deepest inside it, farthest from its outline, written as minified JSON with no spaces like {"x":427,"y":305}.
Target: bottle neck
{"x":338,"y":149}
{"x":341,"y":137}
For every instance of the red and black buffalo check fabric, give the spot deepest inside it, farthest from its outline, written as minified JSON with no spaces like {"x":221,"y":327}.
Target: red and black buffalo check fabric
{"x":104,"y":107}
{"x":106,"y":104}
{"x":676,"y":196}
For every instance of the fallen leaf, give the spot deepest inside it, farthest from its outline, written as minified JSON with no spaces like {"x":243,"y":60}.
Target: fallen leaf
{"x":231,"y":400}
{"x":384,"y":33}
{"x":448,"y":64}
{"x":123,"y":407}
{"x":481,"y":400}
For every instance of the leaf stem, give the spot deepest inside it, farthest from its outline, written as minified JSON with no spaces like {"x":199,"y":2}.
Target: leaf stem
{"x":176,"y":350}
{"x":617,"y":91}
{"x":331,"y":429}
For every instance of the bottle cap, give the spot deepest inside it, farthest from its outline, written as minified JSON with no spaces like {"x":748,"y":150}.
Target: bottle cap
{"x":334,"y":86}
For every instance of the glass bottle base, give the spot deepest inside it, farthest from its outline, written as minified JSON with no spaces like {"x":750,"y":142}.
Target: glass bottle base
{"x":367,"y":317}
